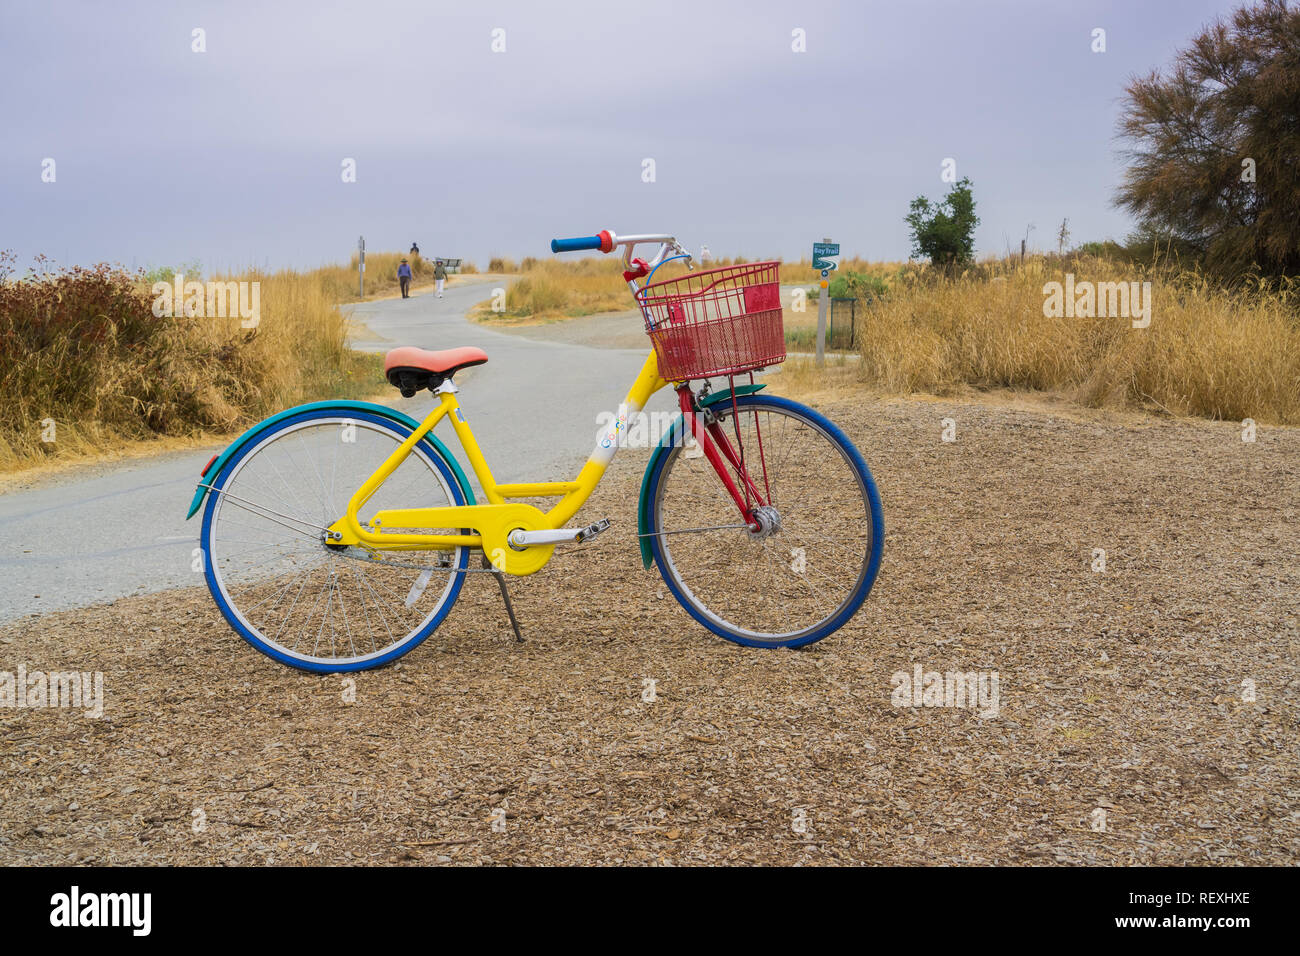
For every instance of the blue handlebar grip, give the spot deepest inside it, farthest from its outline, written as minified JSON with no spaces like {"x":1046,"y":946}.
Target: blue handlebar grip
{"x":574,"y":245}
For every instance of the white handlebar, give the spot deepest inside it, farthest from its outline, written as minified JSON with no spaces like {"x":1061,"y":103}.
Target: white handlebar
{"x":666,"y":242}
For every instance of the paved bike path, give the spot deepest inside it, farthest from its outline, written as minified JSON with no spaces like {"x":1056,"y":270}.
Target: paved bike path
{"x":109,"y":531}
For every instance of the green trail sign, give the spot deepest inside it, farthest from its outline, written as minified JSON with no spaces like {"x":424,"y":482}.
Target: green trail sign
{"x":825,"y":254}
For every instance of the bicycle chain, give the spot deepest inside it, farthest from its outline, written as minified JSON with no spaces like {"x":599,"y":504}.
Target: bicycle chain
{"x":368,"y":557}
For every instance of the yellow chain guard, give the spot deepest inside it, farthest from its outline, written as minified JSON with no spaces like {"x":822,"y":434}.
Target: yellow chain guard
{"x":493,"y":524}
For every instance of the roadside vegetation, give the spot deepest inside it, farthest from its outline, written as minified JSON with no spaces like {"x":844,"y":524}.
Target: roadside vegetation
{"x":552,"y":289}
{"x":548,"y":289}
{"x":1209,"y":350}
{"x":1212,"y":349}
{"x":86,"y":367}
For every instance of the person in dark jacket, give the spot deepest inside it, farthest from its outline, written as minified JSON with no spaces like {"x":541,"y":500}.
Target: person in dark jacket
{"x":404,"y":277}
{"x":440,"y":274}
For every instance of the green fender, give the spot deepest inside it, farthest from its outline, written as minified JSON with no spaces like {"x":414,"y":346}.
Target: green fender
{"x":213,"y":470}
{"x":670,"y":439}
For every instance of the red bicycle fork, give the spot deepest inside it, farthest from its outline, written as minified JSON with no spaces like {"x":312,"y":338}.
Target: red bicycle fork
{"x":722,"y":455}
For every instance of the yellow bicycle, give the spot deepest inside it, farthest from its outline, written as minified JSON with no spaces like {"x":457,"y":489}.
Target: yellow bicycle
{"x":337,"y":535}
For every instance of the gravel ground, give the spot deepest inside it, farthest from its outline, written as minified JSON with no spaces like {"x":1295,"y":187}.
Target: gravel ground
{"x":1124,"y":731}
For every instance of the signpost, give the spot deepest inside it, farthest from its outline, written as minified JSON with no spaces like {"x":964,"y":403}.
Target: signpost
{"x":361,"y":266}
{"x":825,"y":257}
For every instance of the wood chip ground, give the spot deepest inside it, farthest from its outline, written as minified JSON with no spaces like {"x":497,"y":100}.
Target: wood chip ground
{"x":1126,"y":691}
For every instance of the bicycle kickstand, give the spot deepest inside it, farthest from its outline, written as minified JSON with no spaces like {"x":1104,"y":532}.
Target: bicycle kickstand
{"x":505,"y":595}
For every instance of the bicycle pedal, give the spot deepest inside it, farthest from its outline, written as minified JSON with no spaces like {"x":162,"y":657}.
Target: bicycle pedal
{"x":592,"y":530}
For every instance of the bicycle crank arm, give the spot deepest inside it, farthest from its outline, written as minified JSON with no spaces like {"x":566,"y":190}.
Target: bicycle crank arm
{"x":522,"y":539}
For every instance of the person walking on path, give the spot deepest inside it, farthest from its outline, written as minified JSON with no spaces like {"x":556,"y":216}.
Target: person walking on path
{"x":440,"y":274}
{"x":404,"y":277}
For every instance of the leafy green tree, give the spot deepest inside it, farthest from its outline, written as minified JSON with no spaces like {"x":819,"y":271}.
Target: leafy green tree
{"x":944,"y":232}
{"x":1212,"y":144}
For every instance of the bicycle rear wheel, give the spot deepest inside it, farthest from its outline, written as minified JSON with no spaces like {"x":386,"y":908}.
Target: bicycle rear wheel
{"x":807,"y":574}
{"x":291,"y":595}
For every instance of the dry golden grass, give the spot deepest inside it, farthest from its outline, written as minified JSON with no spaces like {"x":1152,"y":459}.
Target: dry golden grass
{"x":1208,"y":352}
{"x":550,"y":289}
{"x":83,"y":351}
{"x":556,"y":288}
{"x":802,"y":272}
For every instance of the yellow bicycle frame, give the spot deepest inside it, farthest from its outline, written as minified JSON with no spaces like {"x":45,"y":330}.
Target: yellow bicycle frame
{"x":489,"y":524}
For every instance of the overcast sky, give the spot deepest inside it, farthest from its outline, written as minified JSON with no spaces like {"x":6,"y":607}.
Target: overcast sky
{"x":234,"y":156}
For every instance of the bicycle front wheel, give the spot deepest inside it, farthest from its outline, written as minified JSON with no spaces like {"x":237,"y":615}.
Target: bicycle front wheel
{"x":806,"y":574}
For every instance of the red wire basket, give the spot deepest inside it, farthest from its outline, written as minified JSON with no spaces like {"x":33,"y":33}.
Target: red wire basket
{"x":717,"y":322}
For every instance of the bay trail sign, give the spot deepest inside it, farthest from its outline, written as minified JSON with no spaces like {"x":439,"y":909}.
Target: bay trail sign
{"x":825,"y":257}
